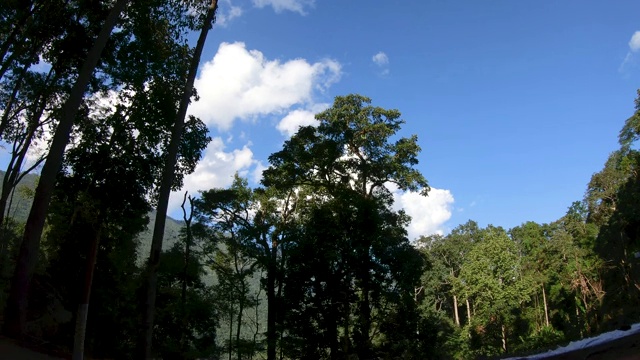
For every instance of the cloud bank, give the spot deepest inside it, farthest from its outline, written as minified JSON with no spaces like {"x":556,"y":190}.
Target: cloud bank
{"x":216,"y":170}
{"x":428,"y":213}
{"x":242,"y":84}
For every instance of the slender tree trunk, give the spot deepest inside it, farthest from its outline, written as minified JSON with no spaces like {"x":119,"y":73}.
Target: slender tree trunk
{"x":272,"y":336}
{"x":346,"y":336}
{"x":364,"y":346}
{"x":185,"y":270}
{"x":456,"y":316}
{"x":255,"y":333}
{"x":83,"y":307}
{"x":468,"y":312}
{"x":241,"y":302}
{"x":546,"y":308}
{"x":332,"y":332}
{"x":165,"y":187}
{"x":504,"y":338}
{"x":16,"y":309}
{"x":230,"y":331}
{"x":239,"y":320}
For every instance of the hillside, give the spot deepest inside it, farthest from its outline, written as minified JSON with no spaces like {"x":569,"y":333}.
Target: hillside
{"x":23,"y":197}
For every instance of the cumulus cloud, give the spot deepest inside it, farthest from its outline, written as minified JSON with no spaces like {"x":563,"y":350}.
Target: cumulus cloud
{"x":380,"y":59}
{"x":278,"y":6}
{"x":242,"y":84}
{"x":428,"y":213}
{"x":290,"y":124}
{"x":215,"y":170}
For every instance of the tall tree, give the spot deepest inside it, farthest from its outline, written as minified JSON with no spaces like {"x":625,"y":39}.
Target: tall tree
{"x":16,"y":309}
{"x":350,"y":155}
{"x":167,"y":182}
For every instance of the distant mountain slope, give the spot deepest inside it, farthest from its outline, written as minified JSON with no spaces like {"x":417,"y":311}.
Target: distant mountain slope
{"x":20,"y":211}
{"x":171,"y":232}
{"x":23,"y":197}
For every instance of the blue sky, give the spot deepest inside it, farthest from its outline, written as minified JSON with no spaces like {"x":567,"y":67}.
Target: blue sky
{"x":515,"y":103}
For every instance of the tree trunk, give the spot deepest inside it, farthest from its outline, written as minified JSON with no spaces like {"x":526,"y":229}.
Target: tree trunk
{"x":231,"y":331}
{"x":241,"y":301}
{"x":16,"y":309}
{"x":546,"y":308}
{"x":239,"y":326}
{"x":364,"y":347}
{"x":185,"y":271}
{"x":272,"y":336}
{"x":83,"y":306}
{"x":255,"y":334}
{"x":165,"y":188}
{"x":346,"y":336}
{"x":455,"y":310}
{"x":504,"y":338}
{"x":468,"y":312}
{"x":332,"y":332}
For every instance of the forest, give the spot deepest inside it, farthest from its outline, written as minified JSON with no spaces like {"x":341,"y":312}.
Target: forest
{"x":314,"y":263}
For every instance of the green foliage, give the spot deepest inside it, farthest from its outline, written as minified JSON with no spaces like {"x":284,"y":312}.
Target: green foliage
{"x":198,"y":316}
{"x":547,"y":337}
{"x":613,"y":196}
{"x":337,"y":274}
{"x":352,"y":148}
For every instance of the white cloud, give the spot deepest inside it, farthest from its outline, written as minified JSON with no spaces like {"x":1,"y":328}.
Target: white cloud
{"x":282,"y":5}
{"x":634,"y":43}
{"x":428,"y":213}
{"x":242,"y":84}
{"x":215,"y":170}
{"x":634,"y":47}
{"x":257,"y":171}
{"x":226,"y":13}
{"x":290,"y":124}
{"x":380,"y":59}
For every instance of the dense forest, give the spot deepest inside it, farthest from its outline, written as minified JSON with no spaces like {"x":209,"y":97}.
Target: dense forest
{"x":314,"y":263}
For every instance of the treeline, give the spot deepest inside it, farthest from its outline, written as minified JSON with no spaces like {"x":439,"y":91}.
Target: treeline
{"x":315,"y":263}
{"x":535,"y":286}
